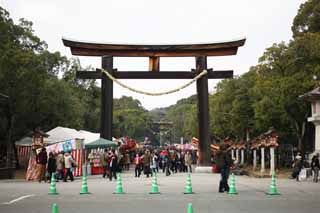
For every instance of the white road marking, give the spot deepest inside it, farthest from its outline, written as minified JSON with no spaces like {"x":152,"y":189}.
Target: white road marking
{"x":18,"y":199}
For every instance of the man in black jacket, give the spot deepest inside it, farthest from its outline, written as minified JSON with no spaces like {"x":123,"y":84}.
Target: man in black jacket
{"x":223,"y":162}
{"x":113,"y":165}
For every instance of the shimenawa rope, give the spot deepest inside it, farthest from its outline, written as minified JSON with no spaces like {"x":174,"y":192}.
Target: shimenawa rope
{"x":204,"y":72}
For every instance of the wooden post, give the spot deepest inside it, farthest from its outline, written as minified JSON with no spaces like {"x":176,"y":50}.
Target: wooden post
{"x":262,"y":161}
{"x":237,"y":156}
{"x":203,"y":113}
{"x":254,"y":159}
{"x":242,"y":157}
{"x":232,"y":154}
{"x":154,"y":63}
{"x":106,"y":99}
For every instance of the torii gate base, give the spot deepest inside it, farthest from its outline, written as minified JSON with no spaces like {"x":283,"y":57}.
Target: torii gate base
{"x":154,"y":52}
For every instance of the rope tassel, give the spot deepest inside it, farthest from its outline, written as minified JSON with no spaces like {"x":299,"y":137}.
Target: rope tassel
{"x":204,"y":72}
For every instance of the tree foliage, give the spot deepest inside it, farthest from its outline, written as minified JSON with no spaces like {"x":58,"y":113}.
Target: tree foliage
{"x":307,"y":19}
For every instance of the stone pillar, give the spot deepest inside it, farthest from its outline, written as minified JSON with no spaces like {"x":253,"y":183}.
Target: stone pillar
{"x":313,"y":97}
{"x":232,"y":154}
{"x":254,"y":159}
{"x":237,"y":155}
{"x":317,"y":140}
{"x":262,"y":160}
{"x":272,"y":161}
{"x":242,"y":156}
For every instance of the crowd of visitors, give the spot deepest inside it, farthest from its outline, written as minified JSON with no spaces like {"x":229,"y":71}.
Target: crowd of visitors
{"x":311,"y":169}
{"x":146,"y":161}
{"x":149,"y":161}
{"x":60,"y":165}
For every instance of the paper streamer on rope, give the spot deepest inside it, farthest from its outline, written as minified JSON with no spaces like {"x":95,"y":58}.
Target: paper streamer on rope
{"x":204,"y":72}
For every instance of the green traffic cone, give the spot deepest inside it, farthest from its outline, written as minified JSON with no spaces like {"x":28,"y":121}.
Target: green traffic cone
{"x":273,"y":188}
{"x":188,"y":187}
{"x":55,"y":208}
{"x":53,"y":189}
{"x":84,"y":185}
{"x":232,"y":188}
{"x":190,"y":208}
{"x":119,"y":189}
{"x":154,"y":187}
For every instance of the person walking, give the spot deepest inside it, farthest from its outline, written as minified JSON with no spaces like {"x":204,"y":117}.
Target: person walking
{"x":60,"y":166}
{"x":157,"y":161}
{"x":127,"y":161}
{"x":42,"y":159}
{"x":183,"y":167}
{"x":69,"y":163}
{"x":163,"y":161}
{"x":167,"y":163}
{"x":173,"y":161}
{"x":153,"y":163}
{"x":188,"y":161}
{"x":297,"y":166}
{"x":315,"y":166}
{"x":104,"y":157}
{"x":52,"y":166}
{"x":137,"y":163}
{"x":146,"y":162}
{"x":113,"y":165}
{"x":223,"y":163}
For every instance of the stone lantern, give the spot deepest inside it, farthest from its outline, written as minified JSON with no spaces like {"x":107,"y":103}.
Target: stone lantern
{"x":314,"y":97}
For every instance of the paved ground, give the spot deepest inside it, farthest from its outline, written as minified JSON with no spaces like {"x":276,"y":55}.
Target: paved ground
{"x":296,"y":197}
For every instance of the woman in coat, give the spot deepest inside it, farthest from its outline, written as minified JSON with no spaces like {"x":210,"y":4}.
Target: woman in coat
{"x":52,"y":166}
{"x":146,"y":163}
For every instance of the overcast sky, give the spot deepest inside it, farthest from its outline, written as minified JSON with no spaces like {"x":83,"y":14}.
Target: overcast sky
{"x":163,"y":21}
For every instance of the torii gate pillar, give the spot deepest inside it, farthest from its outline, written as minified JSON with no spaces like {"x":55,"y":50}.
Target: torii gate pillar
{"x":203,"y":113}
{"x":106,"y":116}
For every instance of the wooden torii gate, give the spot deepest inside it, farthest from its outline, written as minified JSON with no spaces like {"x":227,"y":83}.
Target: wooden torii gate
{"x":154,"y":52}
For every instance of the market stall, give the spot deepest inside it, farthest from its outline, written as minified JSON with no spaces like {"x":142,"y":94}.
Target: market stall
{"x":75,"y":147}
{"x":95,"y":150}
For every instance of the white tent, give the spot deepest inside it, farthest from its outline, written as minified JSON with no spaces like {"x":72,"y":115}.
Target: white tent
{"x":89,"y":136}
{"x":60,"y":134}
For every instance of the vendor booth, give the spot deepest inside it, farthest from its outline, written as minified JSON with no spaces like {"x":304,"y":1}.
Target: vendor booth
{"x":56,"y":140}
{"x":95,"y":150}
{"x":74,"y":146}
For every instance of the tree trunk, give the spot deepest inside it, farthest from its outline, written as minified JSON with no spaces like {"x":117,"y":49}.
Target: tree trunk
{"x":11,"y":152}
{"x":300,"y":135}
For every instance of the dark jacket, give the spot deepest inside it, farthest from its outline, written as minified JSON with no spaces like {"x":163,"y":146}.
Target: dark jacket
{"x":42,"y":158}
{"x":315,"y":162}
{"x":297,"y":165}
{"x":113,"y":162}
{"x":52,"y":165}
{"x":223,"y":160}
